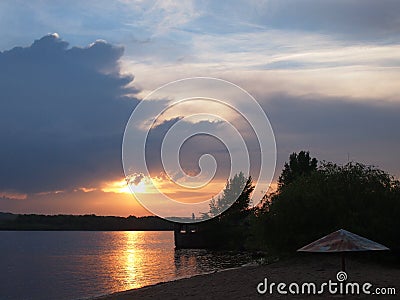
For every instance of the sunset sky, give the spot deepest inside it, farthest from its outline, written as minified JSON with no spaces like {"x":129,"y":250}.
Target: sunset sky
{"x":326,"y":73}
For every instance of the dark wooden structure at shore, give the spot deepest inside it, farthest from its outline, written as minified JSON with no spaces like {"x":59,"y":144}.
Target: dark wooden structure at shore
{"x":189,"y":236}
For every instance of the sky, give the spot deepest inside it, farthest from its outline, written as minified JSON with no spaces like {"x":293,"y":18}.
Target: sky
{"x":325,"y":73}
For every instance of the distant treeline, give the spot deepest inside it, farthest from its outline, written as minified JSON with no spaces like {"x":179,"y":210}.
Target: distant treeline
{"x":81,"y":222}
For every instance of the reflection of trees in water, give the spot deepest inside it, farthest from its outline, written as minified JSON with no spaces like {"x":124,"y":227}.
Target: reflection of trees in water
{"x":187,"y":262}
{"x":196,"y":261}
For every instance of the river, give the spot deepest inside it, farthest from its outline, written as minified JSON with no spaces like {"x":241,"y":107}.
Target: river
{"x":41,"y":265}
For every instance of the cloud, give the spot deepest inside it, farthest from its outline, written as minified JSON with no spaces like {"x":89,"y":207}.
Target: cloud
{"x":348,"y":19}
{"x":343,"y":19}
{"x":136,"y":178}
{"x":332,"y":128}
{"x":190,"y":152}
{"x":62,"y":115}
{"x":280,"y":61}
{"x":199,"y":137}
{"x":336,"y":129}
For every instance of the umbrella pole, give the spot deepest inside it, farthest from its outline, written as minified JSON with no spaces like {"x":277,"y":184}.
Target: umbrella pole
{"x":343,"y":262}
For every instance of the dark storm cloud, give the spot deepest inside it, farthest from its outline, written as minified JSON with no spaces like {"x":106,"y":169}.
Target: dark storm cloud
{"x":194,"y":147}
{"x":337,"y":129}
{"x":191,"y":150}
{"x":62,"y":115}
{"x":333,"y":129}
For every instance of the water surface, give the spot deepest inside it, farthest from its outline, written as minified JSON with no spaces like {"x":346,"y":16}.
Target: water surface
{"x":82,"y":264}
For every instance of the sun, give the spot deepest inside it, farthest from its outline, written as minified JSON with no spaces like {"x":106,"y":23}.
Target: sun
{"x":121,"y":187}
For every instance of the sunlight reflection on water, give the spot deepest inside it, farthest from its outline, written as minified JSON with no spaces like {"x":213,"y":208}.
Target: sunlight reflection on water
{"x":79,"y":265}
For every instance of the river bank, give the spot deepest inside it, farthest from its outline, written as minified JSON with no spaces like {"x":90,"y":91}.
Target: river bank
{"x":242,"y":283}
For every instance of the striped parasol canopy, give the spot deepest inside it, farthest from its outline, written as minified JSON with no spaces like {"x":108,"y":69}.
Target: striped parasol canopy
{"x":342,"y":241}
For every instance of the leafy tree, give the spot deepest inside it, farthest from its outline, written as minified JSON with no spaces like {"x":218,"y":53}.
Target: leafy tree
{"x":235,"y":198}
{"x":299,"y":165}
{"x":215,"y":208}
{"x":230,"y":230}
{"x":356,"y":197}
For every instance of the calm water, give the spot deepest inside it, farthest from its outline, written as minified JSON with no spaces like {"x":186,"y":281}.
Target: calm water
{"x":78,"y":265}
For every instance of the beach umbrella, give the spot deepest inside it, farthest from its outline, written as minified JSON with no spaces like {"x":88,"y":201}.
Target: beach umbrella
{"x":342,"y":241}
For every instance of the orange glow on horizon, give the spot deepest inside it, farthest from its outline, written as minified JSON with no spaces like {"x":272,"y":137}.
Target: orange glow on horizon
{"x":111,"y":198}
{"x":156,"y":185}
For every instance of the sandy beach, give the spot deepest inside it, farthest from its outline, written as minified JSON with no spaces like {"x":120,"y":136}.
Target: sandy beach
{"x":242,"y":283}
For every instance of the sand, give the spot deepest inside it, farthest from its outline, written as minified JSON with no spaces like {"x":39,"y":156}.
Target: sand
{"x":242,"y":283}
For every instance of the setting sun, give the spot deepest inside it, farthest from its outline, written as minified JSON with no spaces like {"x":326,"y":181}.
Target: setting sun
{"x":121,"y":187}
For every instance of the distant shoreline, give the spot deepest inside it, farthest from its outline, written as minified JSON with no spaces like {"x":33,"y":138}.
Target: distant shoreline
{"x":241,"y":283}
{"x":99,"y":230}
{"x":34,"y":222}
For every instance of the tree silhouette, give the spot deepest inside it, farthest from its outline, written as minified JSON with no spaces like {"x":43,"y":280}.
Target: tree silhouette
{"x":299,"y":165}
{"x":356,"y":197}
{"x":235,"y":198}
{"x":230,"y":229}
